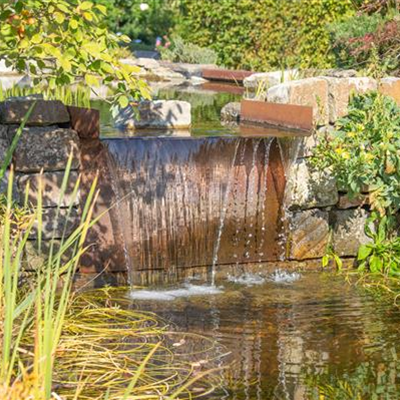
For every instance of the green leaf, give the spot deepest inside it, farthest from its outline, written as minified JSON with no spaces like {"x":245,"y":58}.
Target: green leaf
{"x":123,"y":101}
{"x":86,"y":5}
{"x":364,"y":252}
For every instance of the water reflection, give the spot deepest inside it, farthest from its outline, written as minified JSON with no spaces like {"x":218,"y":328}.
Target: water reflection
{"x":281,"y":334}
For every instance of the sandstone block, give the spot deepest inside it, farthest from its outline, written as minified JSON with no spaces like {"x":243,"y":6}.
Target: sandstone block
{"x":309,"y":235}
{"x":340,"y":91}
{"x":47,"y":148}
{"x":312,"y":92}
{"x":52,"y":183}
{"x":349,"y":231}
{"x":390,"y":87}
{"x":308,"y":188}
{"x":160,"y":114}
{"x":45,"y":113}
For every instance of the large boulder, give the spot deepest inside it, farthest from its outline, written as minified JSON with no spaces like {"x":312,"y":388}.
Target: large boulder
{"x":349,"y":231}
{"x":312,"y":92}
{"x":308,"y":188}
{"x":340,"y":91}
{"x":309,"y":235}
{"x":45,"y":113}
{"x":159,"y":114}
{"x":51,"y":183}
{"x":390,"y":87}
{"x":46,"y":148}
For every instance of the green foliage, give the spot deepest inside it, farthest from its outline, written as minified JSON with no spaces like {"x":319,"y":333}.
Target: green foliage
{"x":125,"y":16}
{"x":63,"y":42}
{"x":363,"y":152}
{"x":360,"y":40}
{"x":180,"y":51}
{"x":264,"y":34}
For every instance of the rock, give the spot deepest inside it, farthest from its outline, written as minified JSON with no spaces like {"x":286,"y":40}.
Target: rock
{"x":13,"y":111}
{"x":309,"y":235}
{"x":231,"y":112}
{"x":4,"y":70}
{"x":308,"y":143}
{"x":4,"y":142}
{"x":52,"y":183}
{"x":390,"y":87}
{"x":269,"y":79}
{"x":167,"y":74}
{"x":159,"y":114}
{"x":35,"y":260}
{"x":57,"y":226}
{"x":345,"y":202}
{"x":196,"y":80}
{"x":188,"y":70}
{"x":340,"y":91}
{"x":307,"y":188}
{"x":349,"y":231}
{"x":8,"y":82}
{"x":147,"y":63}
{"x":340,"y":73}
{"x":312,"y":92}
{"x":4,"y":187}
{"x":47,"y":148}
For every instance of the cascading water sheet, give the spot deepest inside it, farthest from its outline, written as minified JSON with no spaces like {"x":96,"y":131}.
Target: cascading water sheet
{"x":201,"y":202}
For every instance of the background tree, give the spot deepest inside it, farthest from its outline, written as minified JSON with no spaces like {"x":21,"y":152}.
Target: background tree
{"x":63,"y":43}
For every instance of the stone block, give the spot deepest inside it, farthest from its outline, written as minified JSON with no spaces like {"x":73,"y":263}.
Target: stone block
{"x":47,"y":148}
{"x":269,"y":79}
{"x":34,"y":260}
{"x":309,"y":235}
{"x":346,"y":203}
{"x":52,"y":183}
{"x":57,"y":226}
{"x":340,"y":91}
{"x":390,"y":87}
{"x":312,"y":92}
{"x":308,"y":143}
{"x":160,"y":114}
{"x":4,"y":142}
{"x":231,"y":112}
{"x":13,"y":111}
{"x":349,"y":231}
{"x":308,"y":188}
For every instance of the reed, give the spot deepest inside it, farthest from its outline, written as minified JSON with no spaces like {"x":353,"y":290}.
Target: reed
{"x":56,"y":344}
{"x":78,"y":95}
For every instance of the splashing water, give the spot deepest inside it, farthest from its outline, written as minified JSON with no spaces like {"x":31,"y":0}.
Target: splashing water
{"x":281,"y":276}
{"x":187,"y":290}
{"x":247,"y":279}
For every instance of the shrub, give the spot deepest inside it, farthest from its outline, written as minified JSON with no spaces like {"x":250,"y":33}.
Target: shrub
{"x":364,"y":152}
{"x":356,"y":40}
{"x":180,"y":51}
{"x":264,"y":34}
{"x":63,"y":42}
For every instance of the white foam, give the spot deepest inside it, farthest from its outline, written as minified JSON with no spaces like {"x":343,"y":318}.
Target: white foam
{"x":247,"y":279}
{"x":168,"y":295}
{"x":281,"y":276}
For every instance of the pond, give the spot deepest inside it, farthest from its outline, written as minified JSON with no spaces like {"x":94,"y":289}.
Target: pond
{"x":280,"y":330}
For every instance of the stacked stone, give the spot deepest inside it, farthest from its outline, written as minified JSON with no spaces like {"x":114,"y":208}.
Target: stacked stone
{"x":44,"y":147}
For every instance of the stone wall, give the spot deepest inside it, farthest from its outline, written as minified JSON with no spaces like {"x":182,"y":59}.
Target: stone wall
{"x":319,"y":214}
{"x":44,"y":149}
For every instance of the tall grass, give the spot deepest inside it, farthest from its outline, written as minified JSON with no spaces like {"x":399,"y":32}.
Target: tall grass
{"x":72,"y":96}
{"x":56,"y":345}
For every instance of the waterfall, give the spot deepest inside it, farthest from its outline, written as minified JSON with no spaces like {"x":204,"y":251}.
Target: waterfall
{"x":195,"y":202}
